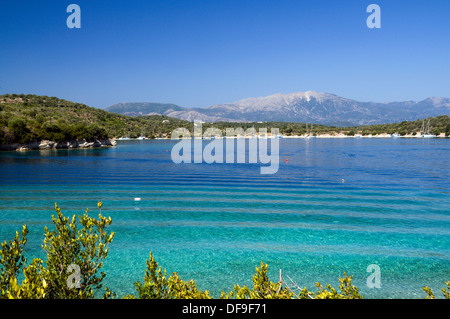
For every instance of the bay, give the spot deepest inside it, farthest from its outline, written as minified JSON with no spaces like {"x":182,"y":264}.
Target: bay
{"x":336,"y":205}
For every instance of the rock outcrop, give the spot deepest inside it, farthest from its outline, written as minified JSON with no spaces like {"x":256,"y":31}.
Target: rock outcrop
{"x":48,"y":145}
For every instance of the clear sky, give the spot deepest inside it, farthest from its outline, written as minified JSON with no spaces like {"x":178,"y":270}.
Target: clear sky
{"x":200,"y":53}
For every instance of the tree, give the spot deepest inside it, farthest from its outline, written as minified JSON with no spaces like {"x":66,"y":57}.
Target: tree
{"x":40,"y":118}
{"x":445,"y":291}
{"x":69,"y":248}
{"x":79,"y":131}
{"x":53,"y":132}
{"x":12,"y":259}
{"x":96,"y":132}
{"x":157,"y":285}
{"x":20,"y":131}
{"x":350,"y":133}
{"x":33,"y":286}
{"x":263,"y":288}
{"x":348,"y":291}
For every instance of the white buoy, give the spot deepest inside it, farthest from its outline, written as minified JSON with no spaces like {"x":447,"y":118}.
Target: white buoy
{"x":137,"y":199}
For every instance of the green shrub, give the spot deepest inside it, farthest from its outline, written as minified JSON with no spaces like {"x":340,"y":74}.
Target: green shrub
{"x":12,"y":259}
{"x":86,"y":247}
{"x":96,"y":132}
{"x":20,"y":131}
{"x":157,"y":285}
{"x":445,"y":291}
{"x":2,"y":136}
{"x":263,"y":288}
{"x":68,"y":247}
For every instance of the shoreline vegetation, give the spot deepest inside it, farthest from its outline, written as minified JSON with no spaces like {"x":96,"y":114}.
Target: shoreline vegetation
{"x":76,"y":249}
{"x":32,"y":122}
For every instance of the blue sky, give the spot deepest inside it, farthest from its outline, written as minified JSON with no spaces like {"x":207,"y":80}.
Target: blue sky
{"x":199,"y":53}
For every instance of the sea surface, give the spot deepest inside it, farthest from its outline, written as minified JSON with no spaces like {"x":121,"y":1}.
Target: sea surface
{"x":335,"y":206}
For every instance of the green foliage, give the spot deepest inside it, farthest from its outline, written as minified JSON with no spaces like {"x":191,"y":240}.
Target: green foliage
{"x":20,"y":131}
{"x":445,"y":291}
{"x":350,"y":133}
{"x":66,"y":246}
{"x":12,"y":260}
{"x":438,"y":124}
{"x":86,"y":247}
{"x":50,"y":118}
{"x":429,"y":292}
{"x":157,"y":285}
{"x":33,"y":286}
{"x":348,"y":291}
{"x":263,"y":288}
{"x":52,"y":132}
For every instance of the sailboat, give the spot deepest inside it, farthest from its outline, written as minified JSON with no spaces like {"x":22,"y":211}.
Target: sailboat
{"x":427,"y":134}
{"x":142,"y":137}
{"x":125,"y":137}
{"x":307,"y":135}
{"x":310,"y":133}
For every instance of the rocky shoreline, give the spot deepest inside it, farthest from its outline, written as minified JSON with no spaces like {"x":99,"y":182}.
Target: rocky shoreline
{"x":49,"y":145}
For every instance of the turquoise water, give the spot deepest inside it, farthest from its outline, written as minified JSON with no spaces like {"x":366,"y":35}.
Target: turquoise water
{"x":337,"y":205}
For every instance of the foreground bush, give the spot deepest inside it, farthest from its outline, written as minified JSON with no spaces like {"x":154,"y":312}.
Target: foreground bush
{"x":263,"y":288}
{"x":77,"y":247}
{"x":445,"y":291}
{"x":157,"y":285}
{"x":74,"y":257}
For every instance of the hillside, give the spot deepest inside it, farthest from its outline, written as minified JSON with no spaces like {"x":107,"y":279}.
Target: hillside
{"x":30,"y":118}
{"x":142,"y":109}
{"x":300,"y":107}
{"x":438,"y":125}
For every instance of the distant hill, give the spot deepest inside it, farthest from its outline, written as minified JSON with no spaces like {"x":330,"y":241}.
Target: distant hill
{"x":304,"y":107}
{"x":30,"y":118}
{"x":144,"y":108}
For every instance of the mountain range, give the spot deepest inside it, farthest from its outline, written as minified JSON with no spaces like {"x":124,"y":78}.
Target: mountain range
{"x":309,"y":107}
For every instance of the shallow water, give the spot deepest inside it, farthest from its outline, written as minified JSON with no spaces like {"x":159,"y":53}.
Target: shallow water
{"x":337,"y":205}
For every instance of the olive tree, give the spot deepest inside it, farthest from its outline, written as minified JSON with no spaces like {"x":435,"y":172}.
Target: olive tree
{"x":75,"y":250}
